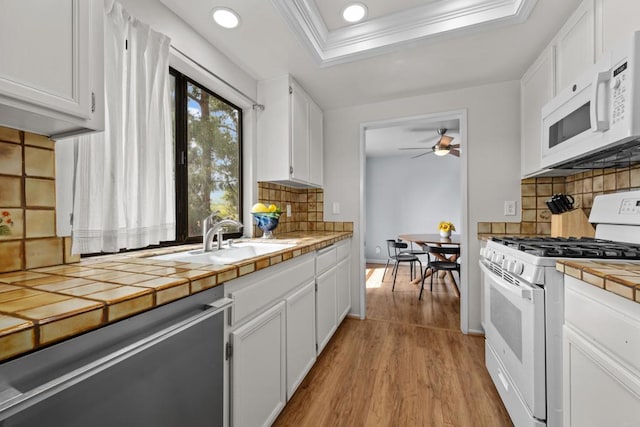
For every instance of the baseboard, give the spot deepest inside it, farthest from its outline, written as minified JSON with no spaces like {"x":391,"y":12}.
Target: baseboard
{"x":478,"y":332}
{"x":376,"y":261}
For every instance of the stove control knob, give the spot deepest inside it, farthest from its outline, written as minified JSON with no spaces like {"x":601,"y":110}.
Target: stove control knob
{"x":518,"y":268}
{"x":498,"y":258}
{"x":488,"y":254}
{"x":482,"y":252}
{"x":505,"y":264}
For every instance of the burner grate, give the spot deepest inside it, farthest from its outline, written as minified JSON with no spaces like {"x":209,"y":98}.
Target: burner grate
{"x":572,"y":247}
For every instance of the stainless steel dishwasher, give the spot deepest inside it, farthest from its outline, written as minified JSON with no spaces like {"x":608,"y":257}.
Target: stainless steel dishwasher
{"x":163,"y":367}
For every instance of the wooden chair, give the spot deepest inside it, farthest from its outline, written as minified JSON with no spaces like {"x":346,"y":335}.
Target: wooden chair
{"x":394,"y":249}
{"x":439,"y":259}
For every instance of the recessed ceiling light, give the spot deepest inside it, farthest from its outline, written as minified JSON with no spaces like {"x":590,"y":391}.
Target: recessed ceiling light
{"x":225,"y":17}
{"x":354,"y":12}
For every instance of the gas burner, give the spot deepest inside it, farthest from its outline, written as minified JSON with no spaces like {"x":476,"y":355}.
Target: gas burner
{"x":561,"y":247}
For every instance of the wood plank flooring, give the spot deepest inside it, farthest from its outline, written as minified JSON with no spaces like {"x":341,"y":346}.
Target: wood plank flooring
{"x":406,"y":364}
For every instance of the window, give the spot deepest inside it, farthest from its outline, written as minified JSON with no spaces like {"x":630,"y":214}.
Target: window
{"x":208,"y":144}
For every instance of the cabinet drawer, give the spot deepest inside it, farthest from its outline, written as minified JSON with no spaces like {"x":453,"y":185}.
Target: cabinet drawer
{"x":607,"y":320}
{"x":343,"y":249}
{"x":325,"y":259}
{"x":261,"y":289}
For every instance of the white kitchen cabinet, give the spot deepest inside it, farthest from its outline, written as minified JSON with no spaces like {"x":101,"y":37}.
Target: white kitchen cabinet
{"x":289,"y":134}
{"x":301,"y":335}
{"x":258,"y":369}
{"x":326,"y":313}
{"x":536,"y":89}
{"x":51,"y":73}
{"x":615,"y":21}
{"x":601,"y":368}
{"x":575,"y":45}
{"x":343,"y":279}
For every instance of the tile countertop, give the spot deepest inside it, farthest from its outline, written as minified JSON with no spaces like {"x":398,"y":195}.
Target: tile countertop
{"x":46,"y":305}
{"x":622,"y":278}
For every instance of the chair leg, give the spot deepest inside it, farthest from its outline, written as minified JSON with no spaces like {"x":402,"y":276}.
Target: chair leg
{"x":385,"y":269}
{"x":433,"y":272}
{"x":395,"y":273}
{"x":422,"y":285}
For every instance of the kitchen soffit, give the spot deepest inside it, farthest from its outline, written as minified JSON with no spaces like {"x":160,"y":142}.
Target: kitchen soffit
{"x":410,"y":21}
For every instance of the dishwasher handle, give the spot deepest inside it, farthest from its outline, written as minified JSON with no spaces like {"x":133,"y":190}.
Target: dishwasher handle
{"x":15,"y":401}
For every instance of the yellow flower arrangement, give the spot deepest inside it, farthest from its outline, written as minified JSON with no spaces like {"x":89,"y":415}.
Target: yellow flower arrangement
{"x":446,"y":226}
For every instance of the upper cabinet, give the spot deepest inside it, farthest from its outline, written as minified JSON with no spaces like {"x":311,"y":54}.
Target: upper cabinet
{"x":593,"y":28}
{"x":51,"y":73}
{"x":615,"y":21}
{"x":536,"y":89}
{"x":575,"y":45}
{"x":289,"y":134}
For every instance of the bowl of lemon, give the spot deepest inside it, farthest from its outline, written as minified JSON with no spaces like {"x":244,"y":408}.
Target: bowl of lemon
{"x":266,"y":218}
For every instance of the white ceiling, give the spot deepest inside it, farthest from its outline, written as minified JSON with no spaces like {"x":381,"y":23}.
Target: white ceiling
{"x":266,"y":46}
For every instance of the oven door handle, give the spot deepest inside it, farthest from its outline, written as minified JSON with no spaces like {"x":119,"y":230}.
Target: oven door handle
{"x":523,"y":291}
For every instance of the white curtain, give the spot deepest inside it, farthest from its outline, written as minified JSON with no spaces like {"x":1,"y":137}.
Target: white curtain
{"x":124,"y":195}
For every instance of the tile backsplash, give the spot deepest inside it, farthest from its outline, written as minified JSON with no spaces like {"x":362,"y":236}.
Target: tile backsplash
{"x":584,"y":186}
{"x":27,"y":203}
{"x":307,"y":209}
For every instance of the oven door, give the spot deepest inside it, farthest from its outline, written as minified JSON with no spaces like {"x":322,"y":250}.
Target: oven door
{"x":514,"y":329}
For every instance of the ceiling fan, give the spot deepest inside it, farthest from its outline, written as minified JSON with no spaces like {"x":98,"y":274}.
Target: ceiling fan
{"x":441,"y":148}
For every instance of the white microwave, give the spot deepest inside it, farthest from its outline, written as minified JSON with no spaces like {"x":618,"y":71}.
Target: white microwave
{"x":595,"y":122}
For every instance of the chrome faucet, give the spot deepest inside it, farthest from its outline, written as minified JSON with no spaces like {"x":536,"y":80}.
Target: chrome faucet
{"x":216,"y":229}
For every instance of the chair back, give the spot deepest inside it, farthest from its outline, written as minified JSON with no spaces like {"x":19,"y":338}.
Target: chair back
{"x":442,"y":250}
{"x":393,"y":247}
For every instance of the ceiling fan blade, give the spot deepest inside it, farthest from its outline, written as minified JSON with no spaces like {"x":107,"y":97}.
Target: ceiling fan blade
{"x":454,"y":145}
{"x":419,"y":155}
{"x":454,"y":152}
{"x":445,"y":140}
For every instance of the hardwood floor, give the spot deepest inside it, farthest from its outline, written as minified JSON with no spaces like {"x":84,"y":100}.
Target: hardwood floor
{"x":406,"y":364}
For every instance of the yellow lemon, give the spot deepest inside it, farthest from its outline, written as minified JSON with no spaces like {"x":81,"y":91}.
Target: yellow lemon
{"x":259,"y":208}
{"x":273,"y":208}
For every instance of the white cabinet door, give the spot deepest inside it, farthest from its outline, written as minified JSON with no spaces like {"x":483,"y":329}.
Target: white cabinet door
{"x":616,"y":20}
{"x":301,"y":333}
{"x":258,"y":369}
{"x":598,"y":391}
{"x":343,"y":288}
{"x":51,"y":75}
{"x":575,"y":45}
{"x":315,"y":144}
{"x":536,"y":89}
{"x":299,"y":134}
{"x":325,"y":307}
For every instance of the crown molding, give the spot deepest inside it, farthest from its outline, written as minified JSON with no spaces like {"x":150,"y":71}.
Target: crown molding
{"x":383,"y":34}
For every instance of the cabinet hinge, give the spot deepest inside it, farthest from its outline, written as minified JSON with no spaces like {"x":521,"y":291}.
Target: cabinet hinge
{"x":228,"y":351}
{"x":290,"y":90}
{"x":316,"y":347}
{"x":93,"y":102}
{"x":291,"y":170}
{"x":316,"y":285}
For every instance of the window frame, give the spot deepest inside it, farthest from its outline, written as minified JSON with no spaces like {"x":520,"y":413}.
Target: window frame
{"x":181,"y":160}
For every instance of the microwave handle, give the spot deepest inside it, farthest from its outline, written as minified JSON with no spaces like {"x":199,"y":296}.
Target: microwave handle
{"x":598,"y":125}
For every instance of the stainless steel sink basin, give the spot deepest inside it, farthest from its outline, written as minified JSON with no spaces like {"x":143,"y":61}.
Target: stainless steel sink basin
{"x":238,"y":252}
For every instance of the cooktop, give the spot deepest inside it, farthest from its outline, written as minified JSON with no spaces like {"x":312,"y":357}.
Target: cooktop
{"x":571,"y":247}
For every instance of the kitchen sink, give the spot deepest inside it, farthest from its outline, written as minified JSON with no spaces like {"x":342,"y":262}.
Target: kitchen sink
{"x":238,"y":252}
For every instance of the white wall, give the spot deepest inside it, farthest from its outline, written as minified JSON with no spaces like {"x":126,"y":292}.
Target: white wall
{"x":493,"y":172}
{"x":405,"y":195}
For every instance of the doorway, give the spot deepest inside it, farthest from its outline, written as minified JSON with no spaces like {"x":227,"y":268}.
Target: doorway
{"x":414,"y":189}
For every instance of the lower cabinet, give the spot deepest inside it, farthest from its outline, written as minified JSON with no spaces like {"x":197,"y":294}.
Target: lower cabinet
{"x":258,"y":369}
{"x":282,"y":317}
{"x":301,"y":335}
{"x":343,"y":288}
{"x":601,"y":378}
{"x":326,"y":307}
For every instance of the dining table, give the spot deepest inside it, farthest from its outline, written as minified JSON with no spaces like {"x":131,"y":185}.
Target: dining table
{"x":434,"y":239}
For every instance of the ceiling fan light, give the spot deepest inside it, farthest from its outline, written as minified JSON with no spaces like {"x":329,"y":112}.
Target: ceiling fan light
{"x":225,"y":17}
{"x":440,"y":151}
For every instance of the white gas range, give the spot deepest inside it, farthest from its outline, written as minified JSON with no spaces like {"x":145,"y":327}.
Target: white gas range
{"x":523,"y":305}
